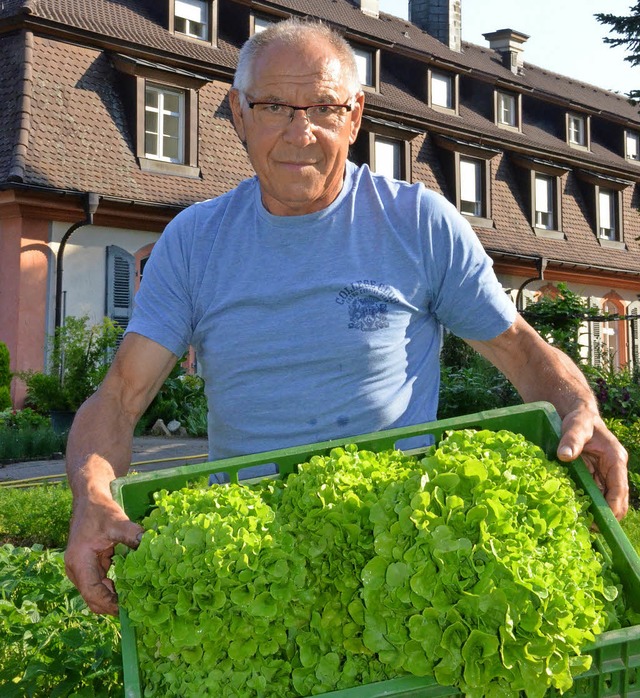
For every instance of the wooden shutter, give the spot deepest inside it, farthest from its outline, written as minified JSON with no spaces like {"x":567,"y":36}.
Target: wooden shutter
{"x":634,"y":335}
{"x":595,"y":339}
{"x":120,"y":273}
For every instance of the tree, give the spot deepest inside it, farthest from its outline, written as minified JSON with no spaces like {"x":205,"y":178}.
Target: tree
{"x":627,"y":29}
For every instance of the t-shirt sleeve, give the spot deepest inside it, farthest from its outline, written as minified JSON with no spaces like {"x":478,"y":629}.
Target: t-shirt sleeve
{"x":467,"y":297}
{"x":163,"y":307}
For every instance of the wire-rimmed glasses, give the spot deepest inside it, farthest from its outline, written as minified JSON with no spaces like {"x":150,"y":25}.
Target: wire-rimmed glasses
{"x":278,"y":115}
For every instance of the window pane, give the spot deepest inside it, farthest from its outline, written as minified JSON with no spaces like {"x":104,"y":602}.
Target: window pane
{"x":388,"y":160}
{"x":364,"y":61}
{"x":171,"y":102}
{"x":151,"y":98}
{"x":471,"y":187}
{"x":507,"y":109}
{"x":194,"y":10}
{"x":441,"y":90}
{"x":576,"y":130}
{"x":171,"y":126}
{"x":606,"y":213}
{"x":544,"y":202}
{"x":151,"y":122}
{"x":150,"y":144}
{"x":260,"y":24}
{"x":632,"y":146}
{"x":171,"y":148}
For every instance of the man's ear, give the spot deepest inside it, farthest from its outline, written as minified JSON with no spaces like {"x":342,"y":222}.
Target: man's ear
{"x":236,"y":114}
{"x":356,"y":117}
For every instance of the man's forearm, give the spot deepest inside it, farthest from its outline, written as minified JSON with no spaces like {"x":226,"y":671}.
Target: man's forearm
{"x":99,"y":448}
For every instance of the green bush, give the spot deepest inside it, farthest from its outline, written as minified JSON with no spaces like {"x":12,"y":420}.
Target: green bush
{"x":560,"y":320}
{"x":35,"y":515}
{"x":52,"y":645}
{"x":617,"y":391}
{"x":469,"y":383}
{"x":5,"y":377}
{"x":28,"y":444}
{"x":80,"y":356}
{"x":23,"y":419}
{"x":182,"y":398}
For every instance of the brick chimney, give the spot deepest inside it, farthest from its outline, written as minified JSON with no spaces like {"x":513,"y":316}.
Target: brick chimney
{"x":510,"y":45}
{"x":440,"y":18}
{"x":369,"y":7}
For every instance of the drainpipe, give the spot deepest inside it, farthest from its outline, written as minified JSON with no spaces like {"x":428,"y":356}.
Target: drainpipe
{"x":541,"y":265}
{"x":91,"y":202}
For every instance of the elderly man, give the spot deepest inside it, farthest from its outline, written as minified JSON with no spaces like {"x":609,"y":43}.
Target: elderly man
{"x":315,"y":294}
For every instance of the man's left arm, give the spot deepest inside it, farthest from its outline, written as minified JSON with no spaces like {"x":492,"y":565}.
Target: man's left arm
{"x":538,"y":371}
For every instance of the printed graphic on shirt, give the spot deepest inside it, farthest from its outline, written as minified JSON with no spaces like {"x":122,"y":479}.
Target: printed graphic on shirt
{"x":367,"y":303}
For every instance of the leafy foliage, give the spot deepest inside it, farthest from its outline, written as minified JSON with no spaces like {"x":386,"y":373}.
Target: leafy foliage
{"x":470,"y":383}
{"x":35,"y":515}
{"x":617,"y":392}
{"x":80,"y":355}
{"x":27,"y":443}
{"x":474,"y":564}
{"x":5,"y":377}
{"x":52,"y":645}
{"x":182,"y":398}
{"x":559,"y":319}
{"x":627,"y":29}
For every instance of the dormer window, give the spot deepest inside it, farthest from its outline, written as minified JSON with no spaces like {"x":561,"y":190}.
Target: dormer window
{"x":193,"y":18}
{"x":632,"y":146}
{"x":578,"y":130}
{"x":442,"y":91}
{"x":368,"y":67}
{"x":608,"y":228}
{"x":260,"y":23}
{"x":508,"y":110}
{"x":164,"y":123}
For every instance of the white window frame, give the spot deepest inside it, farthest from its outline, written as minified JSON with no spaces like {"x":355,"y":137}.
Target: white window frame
{"x":366,"y":63}
{"x":196,"y":15}
{"x":507,"y":116}
{"x":632,"y":152}
{"x":162,"y":115}
{"x":471,"y":173}
{"x":442,"y":90}
{"x":387,"y":157}
{"x":577,"y":130}
{"x":607,"y":214}
{"x":544,"y":204}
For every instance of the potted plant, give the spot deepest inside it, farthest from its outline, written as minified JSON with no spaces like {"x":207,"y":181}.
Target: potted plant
{"x":79,"y":357}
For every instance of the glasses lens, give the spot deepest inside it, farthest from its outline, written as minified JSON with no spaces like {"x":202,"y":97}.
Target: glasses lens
{"x":327,"y":115}
{"x":273,"y":115}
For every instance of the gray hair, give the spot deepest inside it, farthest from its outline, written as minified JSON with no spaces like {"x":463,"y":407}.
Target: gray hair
{"x":294,"y":32}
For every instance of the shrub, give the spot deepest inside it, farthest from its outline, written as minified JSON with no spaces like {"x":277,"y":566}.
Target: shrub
{"x":27,"y":444}
{"x":80,"y":356}
{"x":182,"y":398}
{"x":617,"y":392}
{"x":52,"y":645}
{"x":23,"y":419}
{"x":5,"y":377}
{"x":35,"y":515}
{"x":469,"y":383}
{"x":559,"y":319}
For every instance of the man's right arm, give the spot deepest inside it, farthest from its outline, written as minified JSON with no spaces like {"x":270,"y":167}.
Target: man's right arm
{"x":98,"y":451}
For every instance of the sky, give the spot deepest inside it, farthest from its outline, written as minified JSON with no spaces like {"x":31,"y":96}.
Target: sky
{"x":565,"y":37}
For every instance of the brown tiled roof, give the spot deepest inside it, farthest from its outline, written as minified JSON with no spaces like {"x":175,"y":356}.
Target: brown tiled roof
{"x":80,"y":138}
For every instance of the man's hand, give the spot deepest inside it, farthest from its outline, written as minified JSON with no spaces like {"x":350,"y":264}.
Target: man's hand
{"x":586,"y":435}
{"x":95,"y":529}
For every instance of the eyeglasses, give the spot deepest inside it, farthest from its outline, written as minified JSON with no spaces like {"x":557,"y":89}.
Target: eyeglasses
{"x":277,"y":115}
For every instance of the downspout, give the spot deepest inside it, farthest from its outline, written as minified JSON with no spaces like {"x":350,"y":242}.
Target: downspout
{"x":91,"y":202}
{"x":541,"y":265}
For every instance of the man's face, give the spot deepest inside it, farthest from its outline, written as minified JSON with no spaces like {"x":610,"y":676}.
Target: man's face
{"x":300,"y":166}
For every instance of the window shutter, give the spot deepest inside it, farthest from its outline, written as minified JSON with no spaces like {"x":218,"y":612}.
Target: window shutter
{"x":634,"y":335}
{"x":595,"y":339}
{"x":120,"y":270}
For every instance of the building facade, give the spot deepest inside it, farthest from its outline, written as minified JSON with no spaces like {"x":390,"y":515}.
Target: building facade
{"x":115,"y":116}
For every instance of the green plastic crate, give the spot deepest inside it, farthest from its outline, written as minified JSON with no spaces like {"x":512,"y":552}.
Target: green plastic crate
{"x":616,"y":655}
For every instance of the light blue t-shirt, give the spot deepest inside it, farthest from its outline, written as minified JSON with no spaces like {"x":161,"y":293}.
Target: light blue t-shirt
{"x":320,"y":326}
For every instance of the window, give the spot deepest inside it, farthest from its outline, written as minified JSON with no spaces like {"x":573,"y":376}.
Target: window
{"x":471,"y":187}
{"x":632,"y":146}
{"x":385,"y":148}
{"x":119,"y":290}
{"x":191,"y":17}
{"x":387,"y":157}
{"x":164,"y":123}
{"x":442,"y":92}
{"x":507,"y":110}
{"x":607,"y":214}
{"x":260,"y":23}
{"x":368,"y":67}
{"x":577,"y":128}
{"x":544,"y":204}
